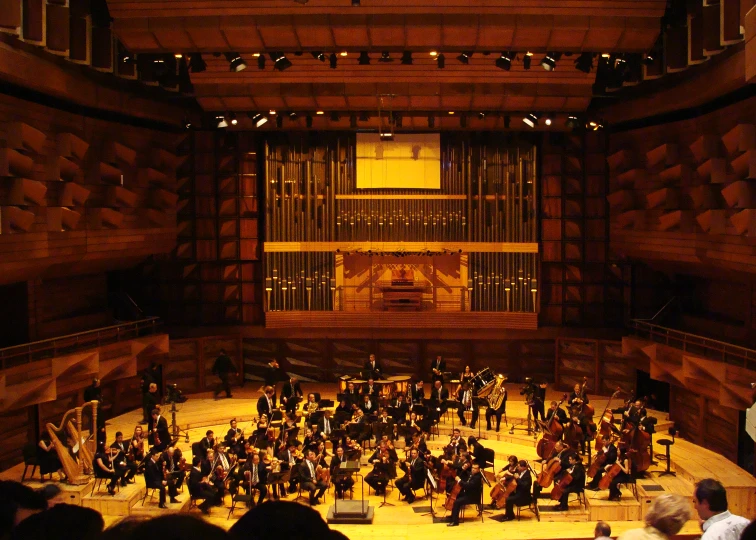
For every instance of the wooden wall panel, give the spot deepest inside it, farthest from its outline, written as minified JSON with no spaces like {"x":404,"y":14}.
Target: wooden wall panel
{"x":18,"y":429}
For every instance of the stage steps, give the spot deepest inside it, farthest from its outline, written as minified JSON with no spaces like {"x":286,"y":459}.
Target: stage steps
{"x":119,"y":504}
{"x":70,"y":494}
{"x":601,"y":508}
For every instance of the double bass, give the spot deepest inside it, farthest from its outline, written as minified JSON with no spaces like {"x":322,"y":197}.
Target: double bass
{"x":638,"y":443}
{"x":606,"y":422}
{"x":552,"y":433}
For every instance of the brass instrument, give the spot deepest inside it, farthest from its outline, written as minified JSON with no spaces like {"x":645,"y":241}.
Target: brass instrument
{"x":311,"y":407}
{"x":497,"y":395}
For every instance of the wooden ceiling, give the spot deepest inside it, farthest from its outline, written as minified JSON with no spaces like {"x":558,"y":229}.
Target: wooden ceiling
{"x":419,"y":26}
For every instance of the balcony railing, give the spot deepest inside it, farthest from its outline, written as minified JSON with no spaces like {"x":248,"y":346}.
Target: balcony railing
{"x":49,"y":348}
{"x":713,"y":349}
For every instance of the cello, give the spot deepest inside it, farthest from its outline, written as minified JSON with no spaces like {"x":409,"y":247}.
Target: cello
{"x":606,"y":480}
{"x":503,"y":489}
{"x":552,"y":433}
{"x":559,"y":488}
{"x":552,"y":468}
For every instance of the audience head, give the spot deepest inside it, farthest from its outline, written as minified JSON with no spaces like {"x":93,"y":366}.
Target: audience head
{"x":709,"y":498}
{"x":61,"y":522}
{"x":168,"y":527}
{"x":602,"y":529}
{"x":668,"y":513}
{"x":275,"y":520}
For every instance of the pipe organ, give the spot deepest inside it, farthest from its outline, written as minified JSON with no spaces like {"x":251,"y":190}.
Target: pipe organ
{"x":470,"y":246}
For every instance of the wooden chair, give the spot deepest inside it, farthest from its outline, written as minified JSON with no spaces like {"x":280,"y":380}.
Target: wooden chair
{"x":30,"y":460}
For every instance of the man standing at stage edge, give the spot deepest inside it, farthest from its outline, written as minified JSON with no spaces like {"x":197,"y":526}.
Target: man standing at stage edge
{"x":222,"y":367}
{"x":710,"y":501}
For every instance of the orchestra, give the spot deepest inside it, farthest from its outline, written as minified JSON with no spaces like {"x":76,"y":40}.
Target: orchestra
{"x":267,"y":462}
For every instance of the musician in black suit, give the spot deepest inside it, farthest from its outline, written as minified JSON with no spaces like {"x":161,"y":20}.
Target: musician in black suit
{"x":465,"y":397}
{"x":172,"y":459}
{"x":272,"y":375}
{"x":400,"y":410}
{"x":521,"y":495}
{"x":265,"y":403}
{"x":555,"y":409}
{"x":258,"y":476}
{"x":153,"y":478}
{"x":415,"y":477}
{"x":342,"y":481}
{"x":418,"y":393}
{"x":610,"y":451}
{"x":371,"y":389}
{"x":380,"y":476}
{"x":289,"y":462}
{"x":437,"y":369}
{"x":289,"y":394}
{"x":309,"y":479}
{"x":200,"y":487}
{"x":577,"y":484}
{"x":497,"y":413}
{"x":470,"y":493}
{"x":438,"y":396}
{"x":160,"y":427}
{"x":325,"y":425}
{"x":634,"y":415}
{"x":373,"y":368}
{"x":127,"y":468}
{"x":208,"y":443}
{"x":352,"y":394}
{"x":234,"y":437}
{"x":369,"y":405}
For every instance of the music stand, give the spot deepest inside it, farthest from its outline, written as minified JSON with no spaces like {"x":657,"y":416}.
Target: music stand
{"x":434,"y":486}
{"x":478,"y":403}
{"x":453,"y":405}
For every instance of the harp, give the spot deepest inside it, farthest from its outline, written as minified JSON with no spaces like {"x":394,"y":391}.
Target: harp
{"x":72,"y":448}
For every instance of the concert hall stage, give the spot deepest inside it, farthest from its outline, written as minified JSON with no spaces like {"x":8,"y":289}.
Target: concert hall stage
{"x":402,"y":520}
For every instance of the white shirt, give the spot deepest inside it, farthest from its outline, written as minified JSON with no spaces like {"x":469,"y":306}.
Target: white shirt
{"x":312,"y":468}
{"x":724,"y":526}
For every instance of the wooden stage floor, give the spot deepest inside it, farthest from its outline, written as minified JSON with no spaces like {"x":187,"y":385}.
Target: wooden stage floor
{"x":402,"y":521}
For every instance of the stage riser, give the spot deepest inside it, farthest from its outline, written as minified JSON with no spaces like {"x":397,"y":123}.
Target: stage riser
{"x":114,"y":505}
{"x":71,"y":494}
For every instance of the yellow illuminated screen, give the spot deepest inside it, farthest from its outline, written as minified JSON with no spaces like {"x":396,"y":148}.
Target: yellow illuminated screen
{"x":411,"y":161}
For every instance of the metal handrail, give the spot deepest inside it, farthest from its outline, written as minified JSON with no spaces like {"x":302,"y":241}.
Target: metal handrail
{"x":48,"y":348}
{"x":695,"y":344}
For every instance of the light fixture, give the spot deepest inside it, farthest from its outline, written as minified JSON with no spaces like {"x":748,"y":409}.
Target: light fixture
{"x":364,"y":59}
{"x":433,"y":53}
{"x":584,"y":62}
{"x":178,"y":55}
{"x":220,"y":121}
{"x":196,"y":63}
{"x":318,"y":55}
{"x":343,"y":53}
{"x":126,"y":57}
{"x":465,"y":57}
{"x":272,"y":112}
{"x":259,"y":119}
{"x":572,"y":122}
{"x":547,"y":120}
{"x":292,"y":115}
{"x":406,"y":58}
{"x":232,"y":117}
{"x":441,"y":61}
{"x":649,"y":58}
{"x":308,"y":121}
{"x":235,"y":62}
{"x":261,"y":62}
{"x":549,"y":61}
{"x":481,"y":115}
{"x":333,"y":61}
{"x":256,"y":54}
{"x":505,"y":61}
{"x":319,"y":112}
{"x":280,"y":62}
{"x":451,"y":112}
{"x":526,"y":60}
{"x":385,"y":57}
{"x":530,"y":120}
{"x":605,"y":55}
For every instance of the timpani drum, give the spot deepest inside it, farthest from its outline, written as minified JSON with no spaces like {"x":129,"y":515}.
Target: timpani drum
{"x":386,"y":387}
{"x":483,"y":382}
{"x":401,"y":383}
{"x":343,"y":382}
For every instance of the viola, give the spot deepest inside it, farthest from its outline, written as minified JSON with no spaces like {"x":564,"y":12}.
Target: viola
{"x":606,"y":480}
{"x":559,"y":488}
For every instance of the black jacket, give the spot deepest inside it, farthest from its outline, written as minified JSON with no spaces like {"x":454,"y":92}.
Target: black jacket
{"x":417,"y":471}
{"x":439,"y":366}
{"x":560,"y":414}
{"x":444,"y":394}
{"x":578,"y":475}
{"x":153,"y":474}
{"x":290,"y":390}
{"x":524,"y":485}
{"x":162,"y":430}
{"x":222,"y":365}
{"x":262,"y":407}
{"x":417,"y":394}
{"x":377,"y":370}
{"x":473,"y":487}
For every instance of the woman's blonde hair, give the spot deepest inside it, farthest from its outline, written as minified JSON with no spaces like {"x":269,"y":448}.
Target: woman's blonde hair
{"x":669,"y":513}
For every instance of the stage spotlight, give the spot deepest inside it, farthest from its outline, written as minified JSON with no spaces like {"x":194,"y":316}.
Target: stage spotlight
{"x":441,"y":61}
{"x":431,"y":121}
{"x":465,"y":57}
{"x":507,"y":121}
{"x":280,"y":62}
{"x":364,"y":59}
{"x":385,"y":57}
{"x":505,"y":61}
{"x":220,"y":121}
{"x":548,"y":120}
{"x":572,"y":122}
{"x":550,"y":60}
{"x":649,"y":59}
{"x":292,"y":115}
{"x":261,"y":62}
{"x":233,"y":119}
{"x":333,"y":61}
{"x":481,"y":115}
{"x":595,"y":125}
{"x":406,"y":58}
{"x":526,"y":60}
{"x":126,"y":57}
{"x":308,"y":121}
{"x":317,"y":55}
{"x":584,"y":62}
{"x":530,"y":120}
{"x":259,"y":120}
{"x":279,"y":121}
{"x":235,"y":62}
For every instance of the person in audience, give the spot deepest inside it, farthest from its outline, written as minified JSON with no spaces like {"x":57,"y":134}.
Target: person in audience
{"x":277,"y":520}
{"x":664,"y":519}
{"x":172,"y":526}
{"x":603,"y":531}
{"x":61,"y":522}
{"x":710,"y":501}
